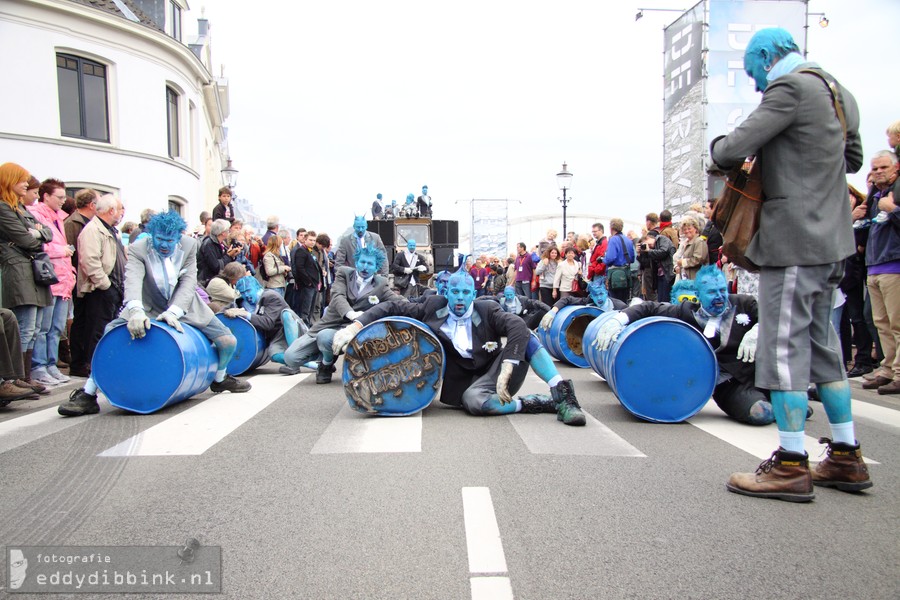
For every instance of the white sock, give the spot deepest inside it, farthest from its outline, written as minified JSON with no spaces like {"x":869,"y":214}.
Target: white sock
{"x":90,"y":387}
{"x":792,"y":441}
{"x":220,"y":375}
{"x":554,"y":380}
{"x":843,"y":433}
{"x":518,"y":405}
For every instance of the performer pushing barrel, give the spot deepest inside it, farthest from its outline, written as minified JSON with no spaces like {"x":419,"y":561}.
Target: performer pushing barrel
{"x":597,"y":296}
{"x":161,"y":283}
{"x":270,"y":314}
{"x":481,"y":374}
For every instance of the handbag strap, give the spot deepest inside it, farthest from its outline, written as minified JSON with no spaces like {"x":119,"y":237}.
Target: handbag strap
{"x":835,"y":97}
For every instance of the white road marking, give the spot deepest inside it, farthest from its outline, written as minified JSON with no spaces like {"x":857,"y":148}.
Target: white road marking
{"x":353,"y":432}
{"x":197,"y":429}
{"x":544,"y":434}
{"x":491,"y":588}
{"x":757,"y":441}
{"x":885,"y":416}
{"x":28,"y":428}
{"x":483,"y":542}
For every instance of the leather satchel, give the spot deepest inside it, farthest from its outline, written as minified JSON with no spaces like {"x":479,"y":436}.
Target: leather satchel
{"x":737,"y":210}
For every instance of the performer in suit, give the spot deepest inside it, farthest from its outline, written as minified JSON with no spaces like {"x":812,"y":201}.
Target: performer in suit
{"x":351,"y":241}
{"x":481,"y":374}
{"x":804,"y":149}
{"x":270,"y":314}
{"x":597,"y":296}
{"x":531,"y":311}
{"x":406,"y":268}
{"x":423,"y":203}
{"x":354,"y":291}
{"x":161,"y":282}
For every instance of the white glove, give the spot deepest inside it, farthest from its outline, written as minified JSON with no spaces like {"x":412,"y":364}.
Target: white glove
{"x":547,"y":320}
{"x":421,"y":268}
{"x":354,"y":314}
{"x":506,"y":371}
{"x":234,"y":313}
{"x":138,"y":324}
{"x":747,"y":350}
{"x":343,"y":337}
{"x":171,"y":320}
{"x":407,"y":270}
{"x":610,"y":330}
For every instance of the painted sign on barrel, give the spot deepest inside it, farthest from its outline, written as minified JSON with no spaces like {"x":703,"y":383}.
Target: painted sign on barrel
{"x":661,"y":369}
{"x":251,"y":345}
{"x":393,"y":367}
{"x":164,"y":367}
{"x":564,"y":338}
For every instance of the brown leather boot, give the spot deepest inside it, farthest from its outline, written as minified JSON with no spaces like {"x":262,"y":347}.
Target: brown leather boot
{"x":783,"y":476}
{"x":843,"y":468}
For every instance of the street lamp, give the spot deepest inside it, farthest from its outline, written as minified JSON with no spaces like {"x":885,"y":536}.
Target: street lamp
{"x":640,"y":11}
{"x":564,"y":179}
{"x":823,"y":23}
{"x":229,"y":175}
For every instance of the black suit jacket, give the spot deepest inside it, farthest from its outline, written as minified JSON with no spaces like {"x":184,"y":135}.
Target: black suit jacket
{"x":305,"y":267}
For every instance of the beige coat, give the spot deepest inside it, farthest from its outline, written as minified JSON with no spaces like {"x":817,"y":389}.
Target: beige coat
{"x":96,"y":257}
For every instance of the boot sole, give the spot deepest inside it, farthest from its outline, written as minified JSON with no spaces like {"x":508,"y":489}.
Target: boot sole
{"x":75,"y":413}
{"x":845,"y":486}
{"x":787,"y":497}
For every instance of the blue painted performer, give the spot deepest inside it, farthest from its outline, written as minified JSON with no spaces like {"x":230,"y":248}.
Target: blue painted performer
{"x":355,"y":239}
{"x":423,"y":203}
{"x":161,"y":283}
{"x":597,"y":296}
{"x":531,"y":311}
{"x":269,"y":314}
{"x":481,"y":373}
{"x":354,"y":291}
{"x":805,"y":135}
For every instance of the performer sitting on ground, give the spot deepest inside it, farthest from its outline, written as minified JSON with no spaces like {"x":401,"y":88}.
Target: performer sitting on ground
{"x":481,"y":374}
{"x":270,"y":314}
{"x":353,"y":291}
{"x":531,"y":311}
{"x":161,"y":283}
{"x":597,"y":296}
{"x":729,"y":324}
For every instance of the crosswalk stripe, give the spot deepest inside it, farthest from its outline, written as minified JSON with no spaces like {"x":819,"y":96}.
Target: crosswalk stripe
{"x":491,"y":588}
{"x":197,"y":429}
{"x":865,"y":410}
{"x":352,"y":432}
{"x":483,"y":543}
{"x":544,"y":434}
{"x":34,"y":426}
{"x":757,"y":441}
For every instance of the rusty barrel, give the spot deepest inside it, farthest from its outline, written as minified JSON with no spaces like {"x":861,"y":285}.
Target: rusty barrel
{"x":661,"y":369}
{"x":251,"y":345}
{"x":164,"y":367}
{"x":393,"y":367}
{"x":564,"y":338}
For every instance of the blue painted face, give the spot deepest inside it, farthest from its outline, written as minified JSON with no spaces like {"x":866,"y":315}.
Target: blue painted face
{"x":712,"y":291}
{"x":365,"y":266}
{"x":424,"y":190}
{"x":460,"y":293}
{"x":378,"y":196}
{"x":165,"y":243}
{"x":411,"y":245}
{"x":359,"y":226}
{"x":440,"y":282}
{"x":249,"y":289}
{"x":597,"y":291}
{"x":509,"y":293}
{"x":755,"y":63}
{"x":410,"y":198}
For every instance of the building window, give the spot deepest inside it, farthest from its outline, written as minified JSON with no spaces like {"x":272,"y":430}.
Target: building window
{"x":172,"y":121}
{"x":83,"y":109}
{"x":175,"y":17}
{"x":176,"y":205}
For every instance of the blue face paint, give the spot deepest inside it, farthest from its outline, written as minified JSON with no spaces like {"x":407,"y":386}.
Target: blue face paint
{"x":365,"y":266}
{"x":411,"y":245}
{"x":765,"y":47}
{"x":410,"y":198}
{"x":165,"y":243}
{"x":460,"y":294}
{"x":440,"y":282}
{"x":378,"y":196}
{"x":359,"y":226}
{"x":249,"y":289}
{"x":712,"y":291}
{"x":597,"y":291}
{"x":509,"y":293}
{"x":424,"y":190}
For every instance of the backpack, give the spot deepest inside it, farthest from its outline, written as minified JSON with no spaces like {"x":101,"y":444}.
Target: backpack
{"x":618,"y":278}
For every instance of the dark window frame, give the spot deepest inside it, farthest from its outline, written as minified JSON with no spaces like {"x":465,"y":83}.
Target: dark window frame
{"x":175,"y":16}
{"x":82,"y":67}
{"x":173,"y":122}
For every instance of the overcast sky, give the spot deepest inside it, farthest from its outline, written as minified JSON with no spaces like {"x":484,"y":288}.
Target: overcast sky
{"x":333,"y":102}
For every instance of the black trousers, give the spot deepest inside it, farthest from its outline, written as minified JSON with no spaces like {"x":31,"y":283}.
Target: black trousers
{"x":10,"y":346}
{"x":93,"y":312}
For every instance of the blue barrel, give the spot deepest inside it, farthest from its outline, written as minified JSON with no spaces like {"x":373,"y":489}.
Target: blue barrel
{"x":661,"y":369}
{"x":162,"y":368}
{"x":251,"y":345}
{"x":393,"y":367}
{"x":563,"y":340}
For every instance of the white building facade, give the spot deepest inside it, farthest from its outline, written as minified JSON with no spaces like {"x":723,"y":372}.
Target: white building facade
{"x":103,"y":94}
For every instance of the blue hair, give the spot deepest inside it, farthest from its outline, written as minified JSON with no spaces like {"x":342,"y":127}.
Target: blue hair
{"x":777,"y":42}
{"x":375,"y":253}
{"x":593,"y":286}
{"x":167,"y":223}
{"x":247,"y":283}
{"x":707,"y":271}
{"x":685,"y":287}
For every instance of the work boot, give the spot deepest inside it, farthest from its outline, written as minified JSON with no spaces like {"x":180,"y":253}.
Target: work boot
{"x":783,"y":476}
{"x":537,"y":403}
{"x":843,"y":468}
{"x":567,"y":408}
{"x":10,"y":391}
{"x":323,"y":373}
{"x":229,"y":384}
{"x":80,"y":403}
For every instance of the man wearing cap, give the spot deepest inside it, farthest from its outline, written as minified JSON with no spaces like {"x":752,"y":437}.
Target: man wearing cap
{"x":805,"y":137}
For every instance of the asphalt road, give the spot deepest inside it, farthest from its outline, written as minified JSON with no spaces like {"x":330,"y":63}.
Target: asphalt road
{"x":307,"y":499}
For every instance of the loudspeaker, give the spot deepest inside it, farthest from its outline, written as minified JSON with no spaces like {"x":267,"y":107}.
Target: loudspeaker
{"x":443,"y":259}
{"x":445,"y":233}
{"x":384,"y":229}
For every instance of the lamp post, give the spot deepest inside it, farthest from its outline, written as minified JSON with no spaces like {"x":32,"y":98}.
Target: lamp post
{"x":564,"y":179}
{"x":229,"y":176}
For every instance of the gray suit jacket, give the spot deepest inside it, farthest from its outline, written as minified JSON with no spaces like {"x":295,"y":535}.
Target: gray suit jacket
{"x":141,"y":282}
{"x":346,"y":296}
{"x":798,"y":142}
{"x":346,"y":249}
